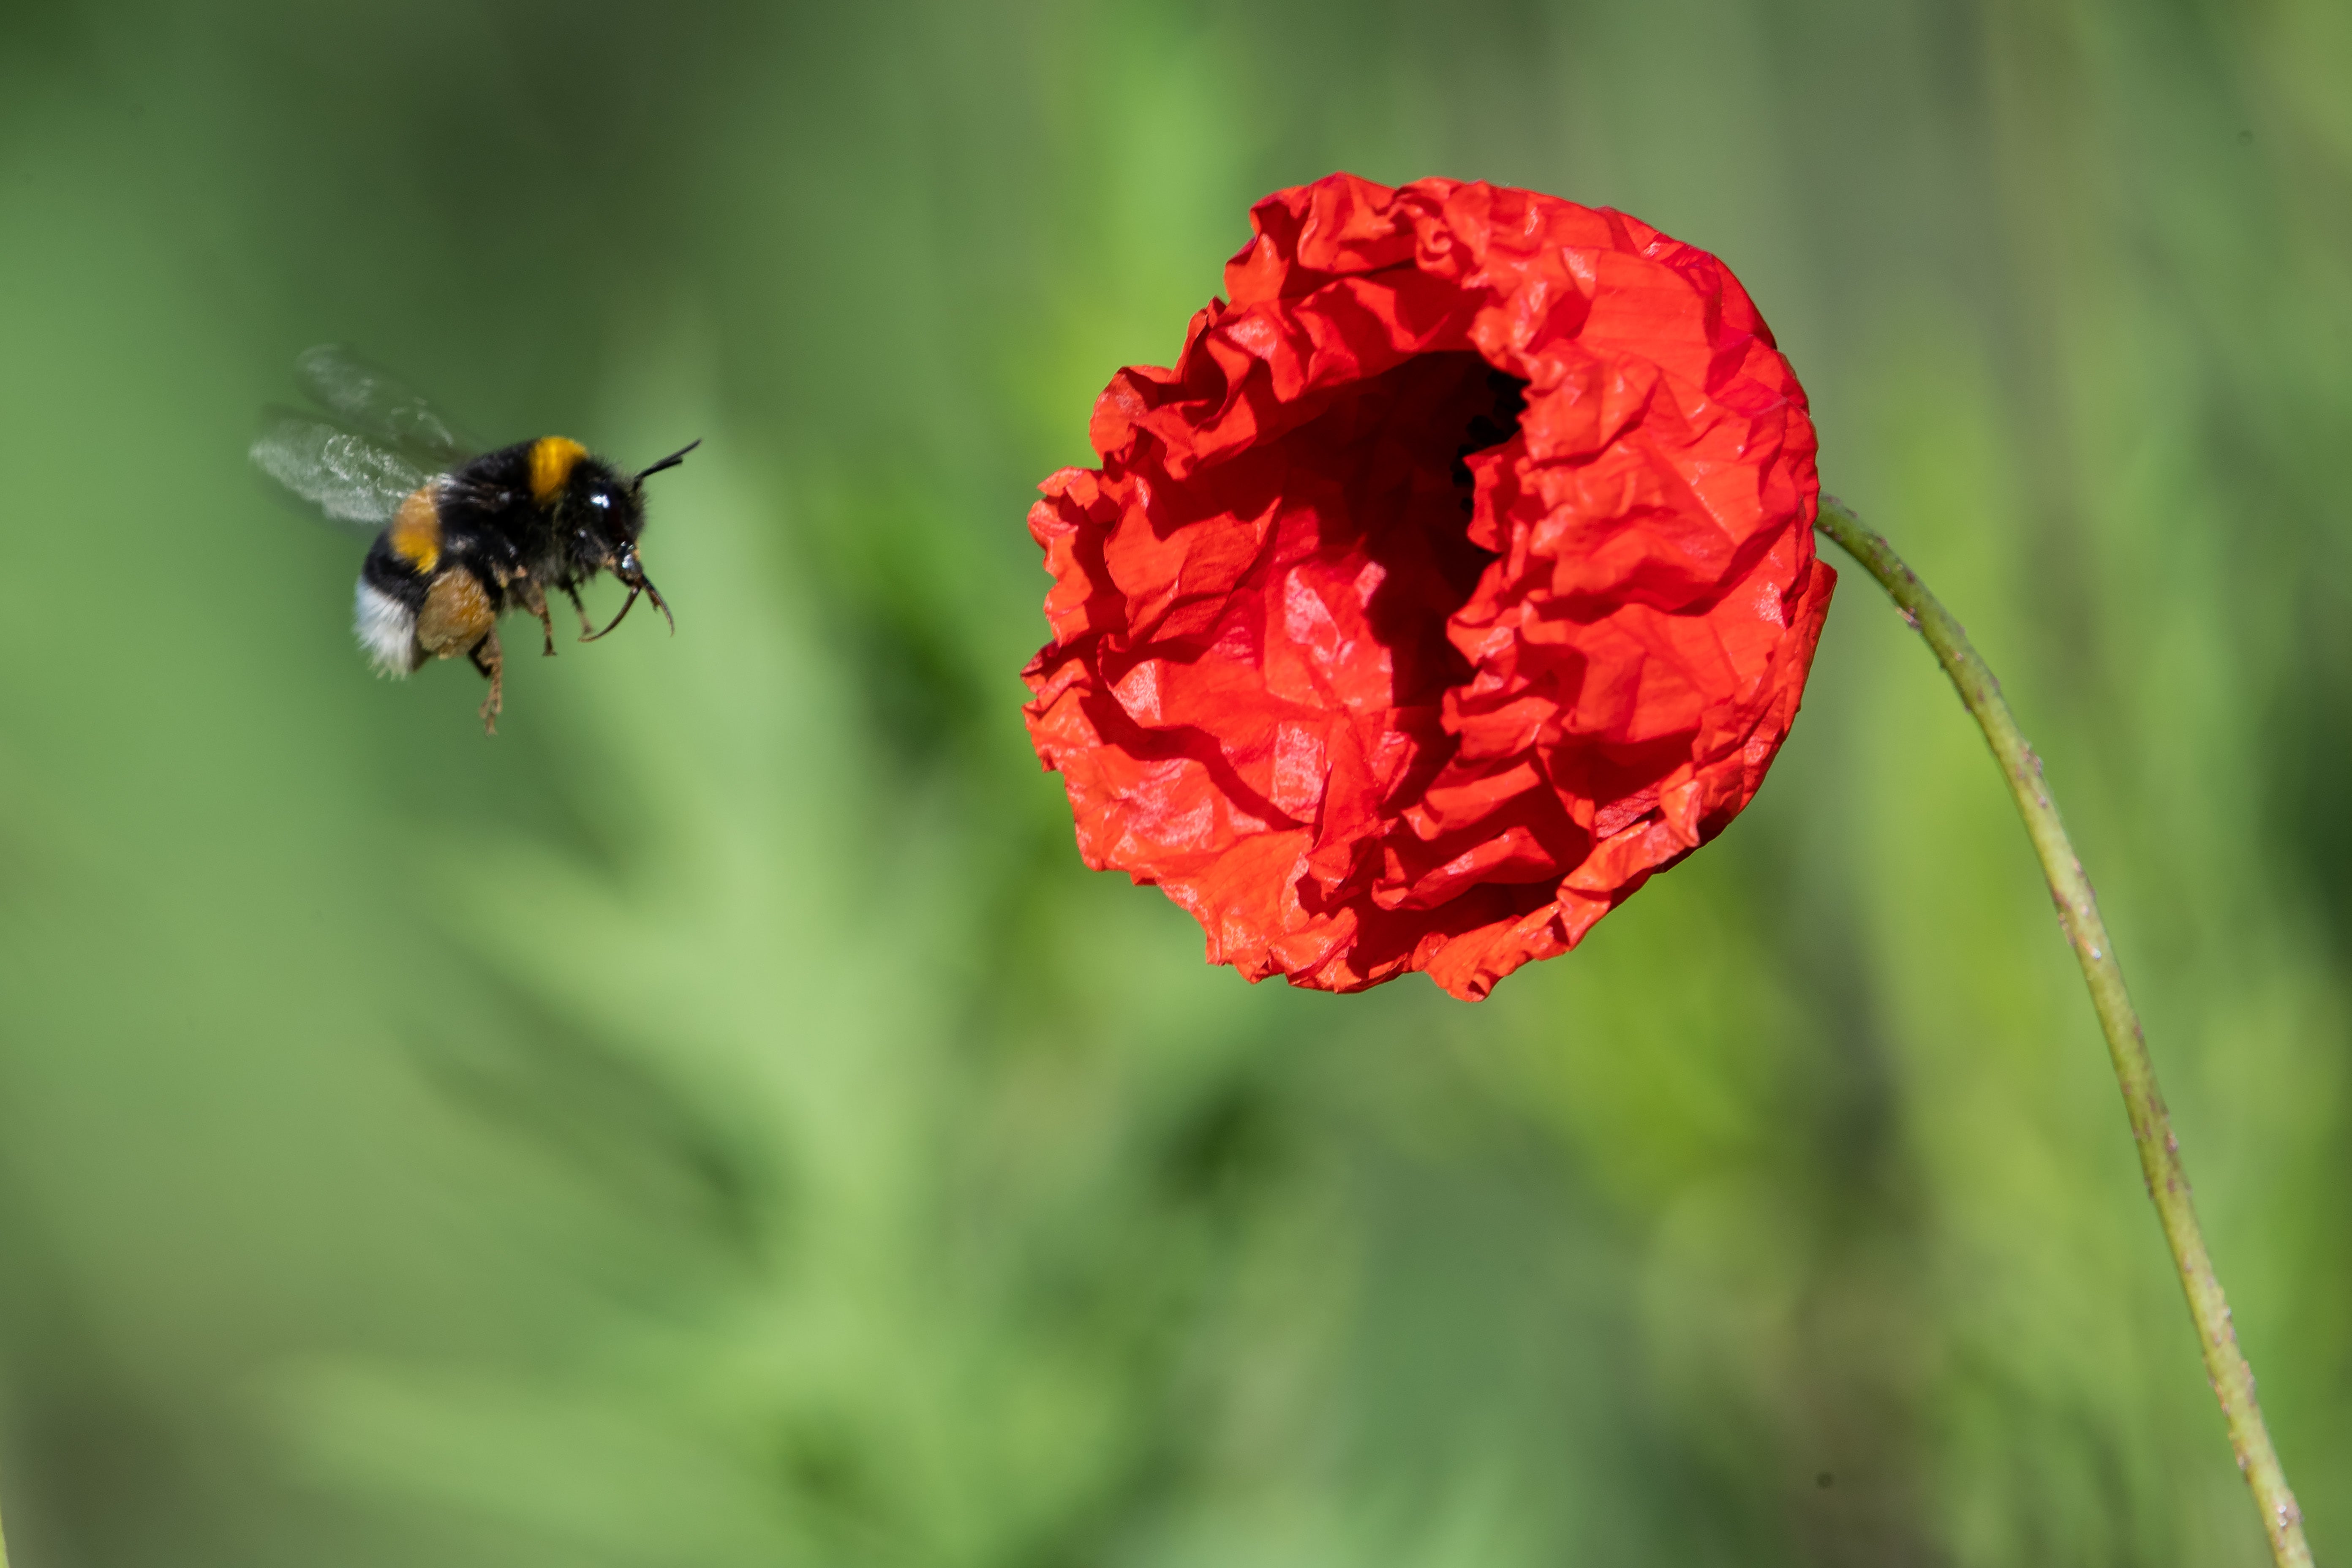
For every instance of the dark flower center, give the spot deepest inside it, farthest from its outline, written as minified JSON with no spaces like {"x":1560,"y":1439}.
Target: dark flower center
{"x":1387,"y":468}
{"x":1491,"y":428}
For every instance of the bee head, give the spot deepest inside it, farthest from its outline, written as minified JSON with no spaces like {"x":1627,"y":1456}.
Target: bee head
{"x":602,"y":513}
{"x":607,"y":514}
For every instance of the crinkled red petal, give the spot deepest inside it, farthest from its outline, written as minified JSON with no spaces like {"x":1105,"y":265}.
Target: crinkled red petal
{"x":1372,"y":676}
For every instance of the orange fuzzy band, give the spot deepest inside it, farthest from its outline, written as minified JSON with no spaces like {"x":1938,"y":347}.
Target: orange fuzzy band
{"x":417,"y":530}
{"x":552,"y":459}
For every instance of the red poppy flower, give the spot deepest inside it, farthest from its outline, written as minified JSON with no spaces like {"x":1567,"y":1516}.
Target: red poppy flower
{"x":1459,"y":577}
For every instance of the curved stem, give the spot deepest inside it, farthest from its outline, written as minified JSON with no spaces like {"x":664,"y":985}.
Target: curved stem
{"x":2078,"y":912}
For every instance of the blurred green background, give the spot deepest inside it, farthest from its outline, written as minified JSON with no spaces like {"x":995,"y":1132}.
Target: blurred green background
{"x":719,"y":1121}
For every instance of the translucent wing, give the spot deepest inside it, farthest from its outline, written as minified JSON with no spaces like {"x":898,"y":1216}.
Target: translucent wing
{"x":373,"y":401}
{"x":345,"y":475}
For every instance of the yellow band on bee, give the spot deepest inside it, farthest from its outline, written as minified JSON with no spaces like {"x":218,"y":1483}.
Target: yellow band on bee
{"x":552,"y":459}
{"x":417,"y":530}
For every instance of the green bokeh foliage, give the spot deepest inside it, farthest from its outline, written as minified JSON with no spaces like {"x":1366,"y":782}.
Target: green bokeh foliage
{"x":721,"y":1122}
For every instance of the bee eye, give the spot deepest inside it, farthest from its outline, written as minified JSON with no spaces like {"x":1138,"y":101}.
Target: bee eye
{"x":600,"y":499}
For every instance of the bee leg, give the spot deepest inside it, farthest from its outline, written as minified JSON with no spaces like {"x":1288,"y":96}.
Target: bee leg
{"x":534,"y":599}
{"x":587,"y":627}
{"x":492,"y":664}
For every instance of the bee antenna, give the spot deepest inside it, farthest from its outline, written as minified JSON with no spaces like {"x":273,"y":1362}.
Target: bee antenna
{"x":672,"y":461}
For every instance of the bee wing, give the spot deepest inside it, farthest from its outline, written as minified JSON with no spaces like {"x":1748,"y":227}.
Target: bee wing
{"x":370,"y":399}
{"x":347,"y":476}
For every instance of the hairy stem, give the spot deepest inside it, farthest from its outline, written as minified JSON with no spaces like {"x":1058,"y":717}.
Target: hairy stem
{"x":2151,"y":1126}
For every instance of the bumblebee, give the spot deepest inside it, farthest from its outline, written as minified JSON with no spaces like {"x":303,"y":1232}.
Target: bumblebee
{"x":462,"y":538}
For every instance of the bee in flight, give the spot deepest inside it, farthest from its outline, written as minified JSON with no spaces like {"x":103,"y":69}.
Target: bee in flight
{"x":463,"y":539}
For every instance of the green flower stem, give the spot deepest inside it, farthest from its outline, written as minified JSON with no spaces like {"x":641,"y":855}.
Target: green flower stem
{"x":2151,"y":1126}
